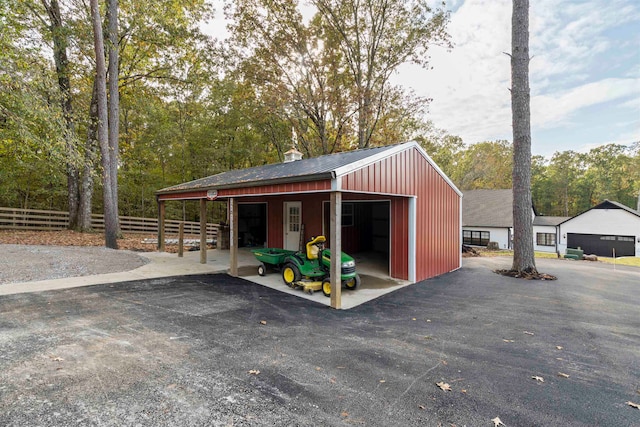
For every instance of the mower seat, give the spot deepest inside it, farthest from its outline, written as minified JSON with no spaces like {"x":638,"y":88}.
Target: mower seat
{"x":313,"y":246}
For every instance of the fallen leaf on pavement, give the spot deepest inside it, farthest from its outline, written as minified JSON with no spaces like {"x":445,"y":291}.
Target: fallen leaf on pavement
{"x":559,"y":347}
{"x":421,"y":406}
{"x":633,"y":405}
{"x":263,"y":322}
{"x":444,"y":362}
{"x":463,"y":391}
{"x":57,"y":359}
{"x":428,"y":320}
{"x":344,"y":414}
{"x":254,"y":372}
{"x":413,"y":318}
{"x":332,"y":380}
{"x":508,"y":340}
{"x":444,"y":386}
{"x":529,"y":333}
{"x":383,"y":381}
{"x":497,"y":422}
{"x":537,"y":378}
{"x":560,"y":374}
{"x":318,"y":368}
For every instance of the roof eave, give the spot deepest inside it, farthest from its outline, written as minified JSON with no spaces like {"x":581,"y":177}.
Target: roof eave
{"x":257,"y":183}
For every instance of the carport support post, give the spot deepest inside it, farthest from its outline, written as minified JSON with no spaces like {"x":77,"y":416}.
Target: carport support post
{"x":203,"y":231}
{"x":336,"y":249}
{"x":233,"y":237}
{"x":160,"y":225}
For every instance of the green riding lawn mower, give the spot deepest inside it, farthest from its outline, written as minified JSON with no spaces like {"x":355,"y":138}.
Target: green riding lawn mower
{"x":308,"y":269}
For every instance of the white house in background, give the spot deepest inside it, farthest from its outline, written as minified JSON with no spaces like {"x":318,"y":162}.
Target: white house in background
{"x":601,"y":229}
{"x":545,"y":232}
{"x":487,"y":216}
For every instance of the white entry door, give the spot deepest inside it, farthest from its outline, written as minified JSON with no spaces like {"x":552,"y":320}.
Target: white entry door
{"x":292,"y":221}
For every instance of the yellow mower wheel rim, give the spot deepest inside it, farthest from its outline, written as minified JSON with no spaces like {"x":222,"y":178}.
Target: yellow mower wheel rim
{"x":326,"y":287}
{"x":289,"y":275}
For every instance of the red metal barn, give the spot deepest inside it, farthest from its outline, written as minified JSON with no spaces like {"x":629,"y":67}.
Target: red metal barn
{"x":392,"y":202}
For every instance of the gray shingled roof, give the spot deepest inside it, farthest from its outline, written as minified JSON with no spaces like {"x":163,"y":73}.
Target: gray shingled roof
{"x":550,"y":220}
{"x":315,"y":168}
{"x":487,"y":208}
{"x":607,"y":204}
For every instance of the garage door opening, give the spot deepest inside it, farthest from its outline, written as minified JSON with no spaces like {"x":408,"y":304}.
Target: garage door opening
{"x":365,"y":232}
{"x":602,"y":245}
{"x":252,"y":224}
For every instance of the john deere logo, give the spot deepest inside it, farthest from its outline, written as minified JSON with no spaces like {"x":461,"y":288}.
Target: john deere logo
{"x":212,"y":194}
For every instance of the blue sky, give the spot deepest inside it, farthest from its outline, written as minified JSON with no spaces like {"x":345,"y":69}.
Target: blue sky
{"x":584,"y":73}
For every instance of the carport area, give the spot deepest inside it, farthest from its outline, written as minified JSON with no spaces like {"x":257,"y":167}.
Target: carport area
{"x":390,"y":207}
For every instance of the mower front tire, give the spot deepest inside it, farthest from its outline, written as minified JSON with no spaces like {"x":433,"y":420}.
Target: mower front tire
{"x":353,"y":283}
{"x":326,"y":287}
{"x":290,"y":274}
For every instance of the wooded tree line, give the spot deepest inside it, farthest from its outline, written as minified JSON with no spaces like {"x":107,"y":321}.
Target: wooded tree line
{"x":191,"y":106}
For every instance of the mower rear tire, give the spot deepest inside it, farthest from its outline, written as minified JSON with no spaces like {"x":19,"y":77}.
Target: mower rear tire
{"x":290,"y":274}
{"x":326,"y":287}
{"x":353,"y":283}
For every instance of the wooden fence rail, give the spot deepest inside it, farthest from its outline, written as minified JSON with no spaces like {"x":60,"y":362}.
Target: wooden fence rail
{"x":31,"y":219}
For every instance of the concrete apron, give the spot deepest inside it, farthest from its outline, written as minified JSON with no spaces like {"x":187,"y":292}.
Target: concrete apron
{"x":374,"y":283}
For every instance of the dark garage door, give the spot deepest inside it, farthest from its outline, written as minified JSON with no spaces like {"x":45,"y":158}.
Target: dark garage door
{"x":601,"y":244}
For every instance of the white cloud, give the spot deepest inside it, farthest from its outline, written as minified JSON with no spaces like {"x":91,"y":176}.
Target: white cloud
{"x":568,"y":39}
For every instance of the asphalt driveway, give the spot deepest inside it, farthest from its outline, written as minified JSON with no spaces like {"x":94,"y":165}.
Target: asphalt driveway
{"x":186,"y":351}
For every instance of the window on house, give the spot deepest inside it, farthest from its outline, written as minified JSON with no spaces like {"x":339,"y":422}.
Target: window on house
{"x":607,"y":237}
{"x":476,"y":238}
{"x":625,"y":239}
{"x":347,"y":214}
{"x":545,"y":239}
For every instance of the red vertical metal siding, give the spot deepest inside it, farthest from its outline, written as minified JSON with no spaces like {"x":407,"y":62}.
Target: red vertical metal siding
{"x":437,"y":211}
{"x":294,"y":187}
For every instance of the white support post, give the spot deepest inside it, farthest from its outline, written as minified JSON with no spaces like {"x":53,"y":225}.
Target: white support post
{"x":412,"y":239}
{"x":336,"y":249}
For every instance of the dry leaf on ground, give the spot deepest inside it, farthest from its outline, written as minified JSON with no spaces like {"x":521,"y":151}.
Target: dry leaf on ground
{"x":537,"y":378}
{"x":263,"y":322}
{"x":421,"y":406}
{"x":563,"y":375}
{"x":529,"y":333}
{"x":254,"y":372}
{"x":559,"y":347}
{"x":444,"y":386}
{"x":634,"y":405}
{"x":344,"y":414}
{"x":497,"y":422}
{"x":508,"y":340}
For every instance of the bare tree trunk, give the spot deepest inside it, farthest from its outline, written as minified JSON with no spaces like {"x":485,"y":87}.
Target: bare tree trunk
{"x":62,"y":70}
{"x":114,"y":99}
{"x":86,"y":189}
{"x":523,"y":255}
{"x":110,"y":215}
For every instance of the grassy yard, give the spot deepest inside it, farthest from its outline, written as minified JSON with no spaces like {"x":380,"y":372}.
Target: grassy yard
{"x":628,"y":260}
{"x":632,"y":261}
{"x":505,"y":252}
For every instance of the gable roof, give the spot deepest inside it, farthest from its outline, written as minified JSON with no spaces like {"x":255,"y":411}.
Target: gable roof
{"x":487,"y":208}
{"x":550,"y":220}
{"x":316,"y":168}
{"x":607,"y":204}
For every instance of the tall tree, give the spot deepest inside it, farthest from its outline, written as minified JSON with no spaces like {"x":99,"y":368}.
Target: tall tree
{"x":114,"y":100}
{"x":110,"y":214}
{"x":375,"y":38}
{"x":523,"y":255}
{"x":60,"y":43}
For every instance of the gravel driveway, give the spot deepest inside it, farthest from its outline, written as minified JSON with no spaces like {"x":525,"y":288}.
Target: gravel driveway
{"x":25,"y":263}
